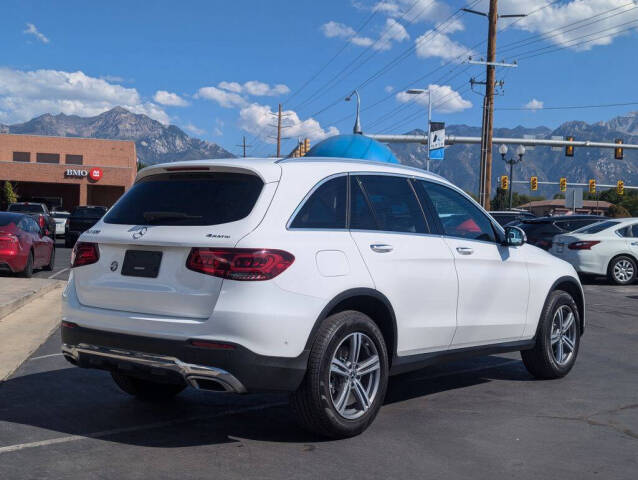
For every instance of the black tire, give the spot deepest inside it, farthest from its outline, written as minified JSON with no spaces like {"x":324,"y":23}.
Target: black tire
{"x":541,"y":360}
{"x":146,"y":390}
{"x":312,"y":403}
{"x":619,"y":261}
{"x":49,"y":266}
{"x":28,"y":269}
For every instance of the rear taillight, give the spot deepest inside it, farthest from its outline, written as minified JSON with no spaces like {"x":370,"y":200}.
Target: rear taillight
{"x":239,"y":263}
{"x":582,"y":245}
{"x":84,"y":253}
{"x":41,"y":221}
{"x":9,"y":244}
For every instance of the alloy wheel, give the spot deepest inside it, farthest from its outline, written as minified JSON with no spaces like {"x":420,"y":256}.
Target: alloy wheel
{"x":563,"y":336}
{"x":355,"y":373}
{"x":623,"y":270}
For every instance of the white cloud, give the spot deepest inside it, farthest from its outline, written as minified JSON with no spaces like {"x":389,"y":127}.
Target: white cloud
{"x":534,"y":104}
{"x":26,"y":94}
{"x":603,"y":31}
{"x":255,"y":88}
{"x":391,"y":32}
{"x":389,"y":89}
{"x":414,"y":11}
{"x":32,"y":30}
{"x":258,"y":120}
{"x":436,"y":44}
{"x":224,"y":98}
{"x":168,"y":98}
{"x":444,"y":99}
{"x":194,"y":129}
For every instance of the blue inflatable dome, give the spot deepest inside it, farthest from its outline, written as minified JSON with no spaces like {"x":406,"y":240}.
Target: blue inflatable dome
{"x":353,"y":146}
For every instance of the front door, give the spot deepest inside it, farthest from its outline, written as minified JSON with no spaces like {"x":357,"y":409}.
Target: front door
{"x":493,"y":278}
{"x":411,"y":266}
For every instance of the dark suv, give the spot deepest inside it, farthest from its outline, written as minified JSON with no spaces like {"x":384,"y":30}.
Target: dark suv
{"x":82,"y":218}
{"x":508,"y":216}
{"x":541,"y":230}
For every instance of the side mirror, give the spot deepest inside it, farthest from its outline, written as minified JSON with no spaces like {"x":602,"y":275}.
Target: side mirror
{"x":514,"y":237}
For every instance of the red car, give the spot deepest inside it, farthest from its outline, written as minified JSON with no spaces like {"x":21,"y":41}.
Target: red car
{"x":23,"y":245}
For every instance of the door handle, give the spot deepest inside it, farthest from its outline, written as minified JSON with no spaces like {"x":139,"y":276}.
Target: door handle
{"x":465,"y":250}
{"x":381,"y":248}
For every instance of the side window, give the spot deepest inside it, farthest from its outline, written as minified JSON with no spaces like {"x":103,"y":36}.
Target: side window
{"x":325,"y":208}
{"x":394,"y":205}
{"x":459,"y":217}
{"x":361,"y":216}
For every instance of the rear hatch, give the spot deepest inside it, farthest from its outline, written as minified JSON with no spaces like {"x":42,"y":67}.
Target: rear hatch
{"x":145,"y":239}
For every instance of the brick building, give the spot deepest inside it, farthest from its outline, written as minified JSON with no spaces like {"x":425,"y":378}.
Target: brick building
{"x":67,"y":171}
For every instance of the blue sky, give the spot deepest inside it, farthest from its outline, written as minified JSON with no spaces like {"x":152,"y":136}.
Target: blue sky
{"x":218,"y":69}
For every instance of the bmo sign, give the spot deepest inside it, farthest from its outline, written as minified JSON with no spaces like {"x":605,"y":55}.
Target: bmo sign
{"x":94,"y":173}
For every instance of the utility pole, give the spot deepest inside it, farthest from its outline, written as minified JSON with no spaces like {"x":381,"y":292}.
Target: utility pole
{"x":485,"y":177}
{"x":243,"y":145}
{"x":279,"y":132}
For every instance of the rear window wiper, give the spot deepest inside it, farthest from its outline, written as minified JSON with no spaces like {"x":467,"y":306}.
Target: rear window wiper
{"x":151,"y":217}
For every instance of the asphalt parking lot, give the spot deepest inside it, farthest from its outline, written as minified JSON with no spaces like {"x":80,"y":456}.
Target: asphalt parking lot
{"x":61,"y":265}
{"x":482,"y":418}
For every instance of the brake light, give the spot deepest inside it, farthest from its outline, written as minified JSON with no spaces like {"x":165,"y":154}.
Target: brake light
{"x":239,"y":263}
{"x":582,"y":245}
{"x":41,"y":221}
{"x":84,"y":253}
{"x":9,"y":244}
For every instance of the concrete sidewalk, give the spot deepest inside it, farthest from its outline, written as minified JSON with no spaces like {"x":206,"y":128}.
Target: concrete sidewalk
{"x":35,"y":314}
{"x":16,"y":292}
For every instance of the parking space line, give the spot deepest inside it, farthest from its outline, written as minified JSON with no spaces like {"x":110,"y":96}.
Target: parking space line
{"x":59,"y":272}
{"x":46,"y":356}
{"x":136,"y":428}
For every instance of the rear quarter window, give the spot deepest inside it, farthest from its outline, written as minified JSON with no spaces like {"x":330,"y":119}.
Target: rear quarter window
{"x":187,"y":199}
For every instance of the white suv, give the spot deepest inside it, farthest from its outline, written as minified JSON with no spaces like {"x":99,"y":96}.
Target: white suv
{"x":316,"y":276}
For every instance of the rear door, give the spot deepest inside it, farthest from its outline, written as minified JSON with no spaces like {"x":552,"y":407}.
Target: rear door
{"x":410,"y":265}
{"x":145,"y":239}
{"x":493,"y":278}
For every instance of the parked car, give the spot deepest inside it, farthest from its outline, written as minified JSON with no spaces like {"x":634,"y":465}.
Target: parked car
{"x":607,"y":248}
{"x":81,"y":219}
{"x":503,"y":217}
{"x":39,"y":212}
{"x":541,"y":230}
{"x":319,"y":277}
{"x":23,"y":245}
{"x":61,"y":218}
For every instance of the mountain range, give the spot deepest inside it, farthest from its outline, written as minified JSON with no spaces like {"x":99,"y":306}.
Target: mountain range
{"x":156,"y":143}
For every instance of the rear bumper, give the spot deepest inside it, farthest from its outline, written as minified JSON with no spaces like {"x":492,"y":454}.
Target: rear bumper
{"x":174,"y":361}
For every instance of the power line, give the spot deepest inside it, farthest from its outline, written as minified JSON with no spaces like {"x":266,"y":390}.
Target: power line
{"x":571,"y":107}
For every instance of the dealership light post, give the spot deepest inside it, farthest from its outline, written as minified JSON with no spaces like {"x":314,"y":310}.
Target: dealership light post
{"x":419,"y":91}
{"x":520,"y":151}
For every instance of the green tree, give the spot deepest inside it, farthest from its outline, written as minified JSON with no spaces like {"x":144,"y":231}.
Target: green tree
{"x":618,"y":211}
{"x":501,"y":200}
{"x":9,"y":195}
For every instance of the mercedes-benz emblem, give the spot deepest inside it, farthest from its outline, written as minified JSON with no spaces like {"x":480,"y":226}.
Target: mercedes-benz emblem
{"x":140,"y":233}
{"x":113,"y":266}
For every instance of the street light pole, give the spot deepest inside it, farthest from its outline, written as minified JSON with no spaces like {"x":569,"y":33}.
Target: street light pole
{"x":419,"y":91}
{"x":520,"y":151}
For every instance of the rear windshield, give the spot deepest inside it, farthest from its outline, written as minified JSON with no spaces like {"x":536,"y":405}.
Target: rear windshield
{"x":188,"y":199}
{"x":597,"y":227}
{"x":30,"y":208}
{"x":88,"y":212}
{"x":8,"y":218}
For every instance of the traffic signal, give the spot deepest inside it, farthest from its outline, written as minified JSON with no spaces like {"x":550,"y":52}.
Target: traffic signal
{"x":592,"y":186}
{"x":620,"y":187}
{"x":618,"y":151}
{"x":302,"y":149}
{"x":306,"y":145}
{"x":504,"y":182}
{"x":563,"y":184}
{"x":533,"y":183}
{"x":569,"y":149}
